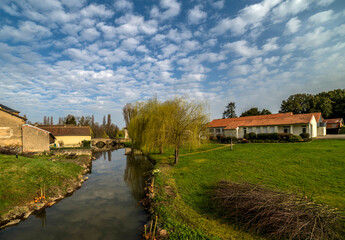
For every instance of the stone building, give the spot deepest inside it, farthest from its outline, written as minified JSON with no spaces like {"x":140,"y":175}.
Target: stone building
{"x":69,"y":135}
{"x":11,"y":128}
{"x":36,"y":139}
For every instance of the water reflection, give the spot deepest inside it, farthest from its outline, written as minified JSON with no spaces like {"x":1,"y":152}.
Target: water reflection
{"x":104,"y":208}
{"x":137,"y":168}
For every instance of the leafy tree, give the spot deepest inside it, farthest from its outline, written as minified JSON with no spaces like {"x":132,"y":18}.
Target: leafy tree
{"x":230,"y":111}
{"x":70,"y":120}
{"x":255,"y":112}
{"x":153,"y":124}
{"x":297,"y":103}
{"x":129,"y":111}
{"x":331,"y":104}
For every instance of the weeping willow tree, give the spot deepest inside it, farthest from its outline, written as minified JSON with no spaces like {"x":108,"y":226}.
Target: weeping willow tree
{"x":173,"y":123}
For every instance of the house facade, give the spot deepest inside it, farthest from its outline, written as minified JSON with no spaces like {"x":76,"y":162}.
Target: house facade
{"x":69,"y":135}
{"x":11,"y":128}
{"x":296,"y":124}
{"x":36,"y":139}
{"x":333,"y":125}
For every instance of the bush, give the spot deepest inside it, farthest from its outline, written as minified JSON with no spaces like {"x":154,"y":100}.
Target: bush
{"x":86,"y":144}
{"x":305,"y":135}
{"x":295,"y":138}
{"x":284,"y":136}
{"x":277,"y":215}
{"x":342,"y":130}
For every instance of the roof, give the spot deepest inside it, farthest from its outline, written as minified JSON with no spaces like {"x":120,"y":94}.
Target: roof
{"x":67,"y":130}
{"x":8,"y":109}
{"x":333,"y":120}
{"x":40,"y":129}
{"x":12,"y":113}
{"x":264,"y":120}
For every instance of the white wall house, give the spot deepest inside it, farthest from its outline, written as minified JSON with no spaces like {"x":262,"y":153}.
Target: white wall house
{"x":296,"y":124}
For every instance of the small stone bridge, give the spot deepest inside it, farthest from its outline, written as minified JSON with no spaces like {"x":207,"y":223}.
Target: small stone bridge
{"x":101,"y":142}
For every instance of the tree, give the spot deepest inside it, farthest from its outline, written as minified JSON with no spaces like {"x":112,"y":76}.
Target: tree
{"x":70,"y":119}
{"x":230,"y":111}
{"x":174,"y":123}
{"x":297,"y":103}
{"x":255,"y":112}
{"x":51,"y":120}
{"x":129,"y":112}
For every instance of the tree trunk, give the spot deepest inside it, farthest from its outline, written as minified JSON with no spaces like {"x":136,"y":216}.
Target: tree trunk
{"x":177,"y":149}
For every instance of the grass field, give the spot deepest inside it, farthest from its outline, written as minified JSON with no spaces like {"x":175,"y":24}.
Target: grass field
{"x":315,"y":169}
{"x":21,"y":179}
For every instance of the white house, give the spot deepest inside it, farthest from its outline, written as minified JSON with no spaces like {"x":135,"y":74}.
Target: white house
{"x":296,"y":124}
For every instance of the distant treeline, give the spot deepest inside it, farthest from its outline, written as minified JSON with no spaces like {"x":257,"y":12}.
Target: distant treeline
{"x":331,"y":104}
{"x":104,"y":130}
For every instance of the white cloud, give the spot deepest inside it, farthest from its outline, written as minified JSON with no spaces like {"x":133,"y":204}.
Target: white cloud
{"x":130,"y":43}
{"x":171,"y":8}
{"x":324,"y":2}
{"x":26,"y":32}
{"x":249,"y":17}
{"x":218,"y":4}
{"x":290,"y":7}
{"x":196,"y":15}
{"x":321,"y":17}
{"x":270,"y":45}
{"x":133,"y":24}
{"x":123,"y":5}
{"x":74,"y":3}
{"x":90,"y":34}
{"x":241,"y":48}
{"x":292,"y":25}
{"x":109,"y":32}
{"x":94,"y":10}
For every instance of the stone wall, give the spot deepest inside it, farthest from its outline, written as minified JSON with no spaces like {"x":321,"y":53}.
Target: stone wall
{"x":71,"y":141}
{"x":72,"y":151}
{"x":35,"y":139}
{"x":10,"y":130}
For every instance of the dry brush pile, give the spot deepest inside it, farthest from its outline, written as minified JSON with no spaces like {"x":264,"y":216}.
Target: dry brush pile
{"x":277,"y":215}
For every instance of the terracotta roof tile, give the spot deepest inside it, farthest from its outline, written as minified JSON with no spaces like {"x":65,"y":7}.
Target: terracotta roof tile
{"x":67,"y":130}
{"x":333,"y":120}
{"x":264,"y":120}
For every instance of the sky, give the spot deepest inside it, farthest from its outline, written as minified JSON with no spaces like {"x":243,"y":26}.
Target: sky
{"x":81,"y":57}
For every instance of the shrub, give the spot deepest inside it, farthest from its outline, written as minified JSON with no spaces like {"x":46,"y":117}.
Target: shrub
{"x":86,"y":144}
{"x":295,"y":138}
{"x":305,"y":135}
{"x":277,"y":215}
{"x":252,"y":135}
{"x":284,"y":136}
{"x":342,"y":130}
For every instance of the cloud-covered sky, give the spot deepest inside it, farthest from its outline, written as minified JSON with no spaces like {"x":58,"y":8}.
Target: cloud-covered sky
{"x":92,"y":57}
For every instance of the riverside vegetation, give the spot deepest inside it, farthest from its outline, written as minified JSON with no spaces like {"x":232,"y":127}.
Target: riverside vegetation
{"x":184,"y":202}
{"x":22,"y":179}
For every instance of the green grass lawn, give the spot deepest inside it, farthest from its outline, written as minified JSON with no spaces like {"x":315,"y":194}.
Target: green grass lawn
{"x":315,"y":169}
{"x":21,"y":179}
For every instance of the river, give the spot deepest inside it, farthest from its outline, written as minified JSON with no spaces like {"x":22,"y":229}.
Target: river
{"x":105,"y":207}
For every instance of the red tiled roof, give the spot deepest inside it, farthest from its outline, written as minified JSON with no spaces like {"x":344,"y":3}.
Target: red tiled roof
{"x":333,"y":120}
{"x":264,"y":120}
{"x":67,"y":130}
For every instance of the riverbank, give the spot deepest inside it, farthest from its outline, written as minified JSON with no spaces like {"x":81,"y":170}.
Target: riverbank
{"x":183,"y":192}
{"x":28,"y":184}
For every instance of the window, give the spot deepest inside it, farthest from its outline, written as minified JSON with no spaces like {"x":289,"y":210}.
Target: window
{"x":258,"y":130}
{"x":217,"y":130}
{"x":250,"y":129}
{"x":304,"y":129}
{"x":265,"y":129}
{"x":244,"y":130}
{"x":286,"y":129}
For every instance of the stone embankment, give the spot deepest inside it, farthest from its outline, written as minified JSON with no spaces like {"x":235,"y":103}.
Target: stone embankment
{"x":20,"y":213}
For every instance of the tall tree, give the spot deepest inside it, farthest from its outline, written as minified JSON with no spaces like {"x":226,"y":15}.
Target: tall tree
{"x":104,"y":122}
{"x":230,"y":111}
{"x":92,"y":120}
{"x":171,"y":123}
{"x":129,"y":112}
{"x":297,"y":103}
{"x":255,"y":112}
{"x":51,"y":120}
{"x":70,"y":119}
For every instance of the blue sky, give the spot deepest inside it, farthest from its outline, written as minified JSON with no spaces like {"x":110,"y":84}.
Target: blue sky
{"x":92,"y":57}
